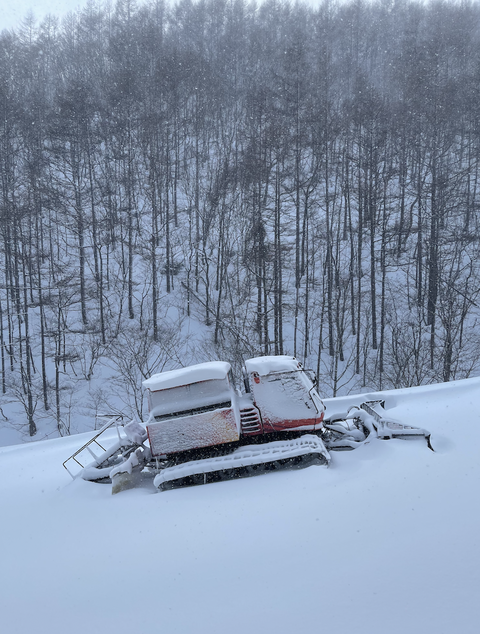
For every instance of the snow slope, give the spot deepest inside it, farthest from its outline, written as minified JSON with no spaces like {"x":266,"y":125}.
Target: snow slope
{"x":387,"y":540}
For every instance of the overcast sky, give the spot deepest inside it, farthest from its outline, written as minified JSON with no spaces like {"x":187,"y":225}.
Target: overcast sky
{"x":12,"y":12}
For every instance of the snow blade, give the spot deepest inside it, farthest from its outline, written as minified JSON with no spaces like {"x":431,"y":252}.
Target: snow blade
{"x":123,"y":481}
{"x":246,"y":461}
{"x":387,"y":429}
{"x":128,"y":474}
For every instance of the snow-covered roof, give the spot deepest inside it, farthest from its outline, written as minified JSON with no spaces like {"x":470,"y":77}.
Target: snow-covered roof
{"x":267,"y":365}
{"x":191,"y":374}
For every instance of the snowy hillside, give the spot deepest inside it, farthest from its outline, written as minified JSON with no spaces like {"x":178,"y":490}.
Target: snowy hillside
{"x":384,"y":541}
{"x":212,"y":179}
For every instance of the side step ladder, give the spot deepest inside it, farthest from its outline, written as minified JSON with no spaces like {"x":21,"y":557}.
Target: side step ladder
{"x":113,"y":420}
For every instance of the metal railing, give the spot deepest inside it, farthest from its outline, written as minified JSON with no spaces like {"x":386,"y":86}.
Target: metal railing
{"x":116,"y":420}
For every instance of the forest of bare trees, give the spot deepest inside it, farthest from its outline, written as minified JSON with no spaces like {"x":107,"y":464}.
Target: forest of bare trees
{"x":221,"y":179}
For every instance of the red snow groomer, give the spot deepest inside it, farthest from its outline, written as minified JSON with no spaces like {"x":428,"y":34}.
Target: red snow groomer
{"x":202,"y":428}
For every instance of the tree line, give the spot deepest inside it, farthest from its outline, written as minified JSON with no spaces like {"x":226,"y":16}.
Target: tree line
{"x":222,"y":179}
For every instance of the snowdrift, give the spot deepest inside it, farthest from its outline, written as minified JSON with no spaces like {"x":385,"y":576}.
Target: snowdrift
{"x":384,"y":541}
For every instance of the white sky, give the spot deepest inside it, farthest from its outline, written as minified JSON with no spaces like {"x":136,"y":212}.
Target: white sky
{"x":12,"y":12}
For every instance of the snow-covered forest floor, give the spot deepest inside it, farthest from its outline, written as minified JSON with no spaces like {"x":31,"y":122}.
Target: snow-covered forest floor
{"x":385,"y":540}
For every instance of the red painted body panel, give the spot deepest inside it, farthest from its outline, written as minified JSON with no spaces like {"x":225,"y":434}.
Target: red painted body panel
{"x":276,"y":424}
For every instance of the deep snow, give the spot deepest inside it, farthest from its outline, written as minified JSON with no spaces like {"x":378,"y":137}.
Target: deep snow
{"x":384,"y":541}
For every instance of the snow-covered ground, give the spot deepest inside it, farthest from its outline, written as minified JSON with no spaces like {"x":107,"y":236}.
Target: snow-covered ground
{"x":387,"y":540}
